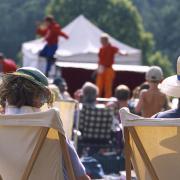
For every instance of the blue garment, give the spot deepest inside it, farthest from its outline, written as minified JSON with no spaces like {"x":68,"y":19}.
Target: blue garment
{"x":48,"y":51}
{"x":172,"y":113}
{"x":78,"y":167}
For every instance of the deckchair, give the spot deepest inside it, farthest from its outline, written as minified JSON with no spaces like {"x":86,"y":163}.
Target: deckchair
{"x":152,"y":145}
{"x":33,"y":147}
{"x":67,"y":111}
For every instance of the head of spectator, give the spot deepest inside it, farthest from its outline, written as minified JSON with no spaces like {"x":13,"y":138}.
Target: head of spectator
{"x":63,"y":88}
{"x":26,"y":87}
{"x":154,"y":75}
{"x":144,"y":85}
{"x":55,"y":92}
{"x":78,"y":95}
{"x":89,"y":93}
{"x":135,"y":92}
{"x":122,"y":93}
{"x":7,"y":65}
{"x":104,"y":39}
{"x":61,"y":84}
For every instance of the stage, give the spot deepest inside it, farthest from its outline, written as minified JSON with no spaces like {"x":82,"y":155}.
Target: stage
{"x":76,"y":74}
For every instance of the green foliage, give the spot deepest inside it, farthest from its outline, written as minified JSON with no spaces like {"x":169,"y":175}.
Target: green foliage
{"x":162,"y":18}
{"x":161,"y":60}
{"x":18,"y":23}
{"x":117,"y":17}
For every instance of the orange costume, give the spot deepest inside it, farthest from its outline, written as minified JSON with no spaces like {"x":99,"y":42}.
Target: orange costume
{"x":106,"y":74}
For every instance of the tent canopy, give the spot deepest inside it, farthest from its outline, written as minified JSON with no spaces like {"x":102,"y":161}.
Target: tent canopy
{"x":82,"y":46}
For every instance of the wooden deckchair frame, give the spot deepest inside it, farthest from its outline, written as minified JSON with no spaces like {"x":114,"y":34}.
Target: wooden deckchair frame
{"x":130,"y":131}
{"x":36,"y":151}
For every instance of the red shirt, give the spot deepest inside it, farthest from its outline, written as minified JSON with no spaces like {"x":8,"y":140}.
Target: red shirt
{"x":106,"y":55}
{"x":51,"y":33}
{"x":7,"y":66}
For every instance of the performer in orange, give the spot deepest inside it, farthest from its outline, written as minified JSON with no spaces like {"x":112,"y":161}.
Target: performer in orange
{"x":105,"y":72}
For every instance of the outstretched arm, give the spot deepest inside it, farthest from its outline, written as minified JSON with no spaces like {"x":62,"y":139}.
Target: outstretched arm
{"x":61,"y":33}
{"x":122,"y":52}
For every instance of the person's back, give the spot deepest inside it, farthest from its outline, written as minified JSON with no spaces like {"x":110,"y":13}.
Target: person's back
{"x":152,"y":100}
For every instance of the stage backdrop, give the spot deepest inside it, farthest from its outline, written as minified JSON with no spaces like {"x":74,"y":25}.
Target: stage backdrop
{"x":76,"y":74}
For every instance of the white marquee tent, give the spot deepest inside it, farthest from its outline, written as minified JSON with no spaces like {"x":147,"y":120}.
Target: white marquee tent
{"x":82,"y":46}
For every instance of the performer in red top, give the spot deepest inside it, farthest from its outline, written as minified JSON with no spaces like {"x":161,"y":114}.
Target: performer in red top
{"x":105,"y":72}
{"x":51,"y":31}
{"x":6,"y":65}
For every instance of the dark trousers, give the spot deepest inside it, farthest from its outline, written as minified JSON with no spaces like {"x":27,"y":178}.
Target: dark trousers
{"x":48,"y":52}
{"x":49,"y":63}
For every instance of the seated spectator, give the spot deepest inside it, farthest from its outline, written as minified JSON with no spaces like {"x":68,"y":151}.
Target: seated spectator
{"x":152,"y":100}
{"x":135,"y":96}
{"x":55,"y":91}
{"x":25,"y":91}
{"x":171,"y":87}
{"x":78,"y":95}
{"x":122,"y":93}
{"x":89,"y":93}
{"x":6,"y":65}
{"x":63,"y":88}
{"x":144,"y":85}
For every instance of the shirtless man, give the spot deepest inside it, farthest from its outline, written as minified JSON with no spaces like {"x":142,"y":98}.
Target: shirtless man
{"x":152,"y":100}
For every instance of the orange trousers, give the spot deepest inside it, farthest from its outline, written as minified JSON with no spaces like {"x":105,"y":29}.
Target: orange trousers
{"x":104,"y":82}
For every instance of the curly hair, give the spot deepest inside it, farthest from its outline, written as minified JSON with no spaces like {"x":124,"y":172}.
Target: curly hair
{"x":19,"y":91}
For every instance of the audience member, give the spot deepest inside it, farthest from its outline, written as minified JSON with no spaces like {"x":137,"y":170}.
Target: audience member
{"x":89,"y":93}
{"x":171,"y":87}
{"x":25,"y":91}
{"x":152,"y":100}
{"x":55,"y":91}
{"x":122,"y":94}
{"x":135,"y":96}
{"x":78,"y":95}
{"x":144,"y":85}
{"x":63,"y":88}
{"x":6,"y":65}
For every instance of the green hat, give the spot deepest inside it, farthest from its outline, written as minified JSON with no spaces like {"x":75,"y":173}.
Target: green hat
{"x":32,"y":74}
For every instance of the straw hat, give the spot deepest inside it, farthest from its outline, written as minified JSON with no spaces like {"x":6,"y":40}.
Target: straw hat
{"x":32,"y":74}
{"x":171,"y":85}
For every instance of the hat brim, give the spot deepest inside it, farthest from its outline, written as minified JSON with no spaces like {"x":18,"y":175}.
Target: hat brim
{"x":26,"y":76}
{"x":171,"y":86}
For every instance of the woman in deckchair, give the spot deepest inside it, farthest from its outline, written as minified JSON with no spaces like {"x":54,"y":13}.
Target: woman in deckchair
{"x":25,"y":91}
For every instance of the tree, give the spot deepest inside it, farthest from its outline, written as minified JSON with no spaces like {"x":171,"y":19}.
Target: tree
{"x":162,"y":19}
{"x":18,"y":23}
{"x":157,"y":59}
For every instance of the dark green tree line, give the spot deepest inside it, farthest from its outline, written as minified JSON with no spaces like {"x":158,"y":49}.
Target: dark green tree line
{"x":162,"y":18}
{"x":17,"y":21}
